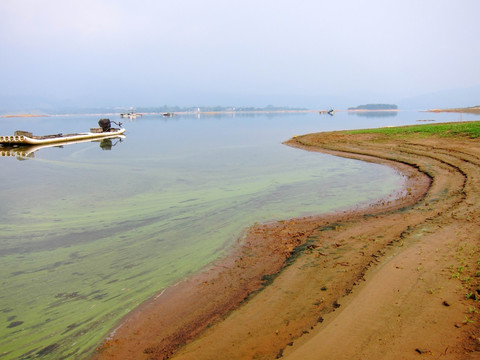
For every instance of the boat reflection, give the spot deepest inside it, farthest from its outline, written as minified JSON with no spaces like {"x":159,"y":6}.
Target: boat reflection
{"x":25,"y":152}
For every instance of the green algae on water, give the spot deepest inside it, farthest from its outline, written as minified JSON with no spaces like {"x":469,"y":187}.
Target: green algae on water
{"x":78,"y":251}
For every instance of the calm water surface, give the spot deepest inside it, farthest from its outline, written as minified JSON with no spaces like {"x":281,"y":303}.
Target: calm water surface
{"x":88,"y":232}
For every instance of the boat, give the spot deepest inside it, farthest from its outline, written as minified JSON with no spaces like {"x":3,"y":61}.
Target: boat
{"x":25,"y":152}
{"x":131,"y":114}
{"x":168,"y":114}
{"x":329,"y":112}
{"x":27,"y":138}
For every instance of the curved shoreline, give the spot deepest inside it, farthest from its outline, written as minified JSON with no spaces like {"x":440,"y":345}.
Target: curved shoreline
{"x":346,"y":248}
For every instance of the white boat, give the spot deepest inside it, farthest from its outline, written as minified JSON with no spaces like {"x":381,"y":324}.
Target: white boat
{"x":131,"y":114}
{"x":26,"y":151}
{"x":27,"y":138}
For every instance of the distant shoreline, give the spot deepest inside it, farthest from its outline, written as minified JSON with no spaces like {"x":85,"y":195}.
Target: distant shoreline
{"x":23,"y":115}
{"x":237,"y":112}
{"x":469,"y":110}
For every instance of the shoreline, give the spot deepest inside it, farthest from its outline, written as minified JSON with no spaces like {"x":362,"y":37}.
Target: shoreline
{"x":467,"y":110}
{"x":224,"y":297}
{"x":416,"y":301}
{"x":24,"y":116}
{"x":275,"y":242}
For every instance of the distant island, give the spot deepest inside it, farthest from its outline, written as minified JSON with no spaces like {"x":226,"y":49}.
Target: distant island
{"x":372,"y":107}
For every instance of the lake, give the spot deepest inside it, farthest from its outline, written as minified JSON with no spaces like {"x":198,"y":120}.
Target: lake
{"x":89,"y":231}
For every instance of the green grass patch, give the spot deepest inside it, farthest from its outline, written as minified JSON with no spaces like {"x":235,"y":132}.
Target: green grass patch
{"x":462,"y":129}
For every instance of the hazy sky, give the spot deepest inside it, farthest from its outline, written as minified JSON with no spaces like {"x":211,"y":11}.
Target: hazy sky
{"x":187,"y":52}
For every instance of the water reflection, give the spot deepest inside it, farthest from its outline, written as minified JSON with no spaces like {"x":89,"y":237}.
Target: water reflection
{"x":25,"y":152}
{"x":374,"y":114}
{"x":246,"y":114}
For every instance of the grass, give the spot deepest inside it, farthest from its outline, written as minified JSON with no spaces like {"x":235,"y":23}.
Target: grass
{"x":467,"y":129}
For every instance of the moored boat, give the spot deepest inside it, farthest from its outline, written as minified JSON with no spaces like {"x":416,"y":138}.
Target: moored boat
{"x":26,"y":151}
{"x":329,"y":112}
{"x":131,"y":114}
{"x":27,"y":138}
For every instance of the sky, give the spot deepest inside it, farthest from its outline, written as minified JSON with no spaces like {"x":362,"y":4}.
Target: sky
{"x":237,"y":52}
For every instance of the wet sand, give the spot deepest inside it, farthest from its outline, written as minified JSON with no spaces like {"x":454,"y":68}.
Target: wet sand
{"x":398,"y":279}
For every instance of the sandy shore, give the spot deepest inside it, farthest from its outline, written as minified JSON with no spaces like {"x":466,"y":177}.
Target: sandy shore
{"x":397,"y":280}
{"x":470,"y":110}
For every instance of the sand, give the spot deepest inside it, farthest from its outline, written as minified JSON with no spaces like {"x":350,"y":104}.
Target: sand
{"x":396,"y":280}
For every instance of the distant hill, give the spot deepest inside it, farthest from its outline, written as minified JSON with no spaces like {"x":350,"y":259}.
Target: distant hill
{"x":375,"y":107}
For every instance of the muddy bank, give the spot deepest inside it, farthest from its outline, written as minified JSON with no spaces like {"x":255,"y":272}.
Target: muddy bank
{"x":395,"y":280}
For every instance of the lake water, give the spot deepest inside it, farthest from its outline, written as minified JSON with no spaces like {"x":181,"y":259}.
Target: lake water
{"x":89,"y":231}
